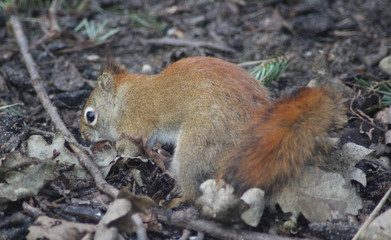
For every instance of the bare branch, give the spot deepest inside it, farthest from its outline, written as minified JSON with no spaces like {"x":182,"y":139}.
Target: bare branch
{"x":189,"y":220}
{"x":372,"y":215}
{"x":52,"y":31}
{"x":39,"y":88}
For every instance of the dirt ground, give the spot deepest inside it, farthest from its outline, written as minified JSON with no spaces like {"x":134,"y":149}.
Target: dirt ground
{"x":347,"y":38}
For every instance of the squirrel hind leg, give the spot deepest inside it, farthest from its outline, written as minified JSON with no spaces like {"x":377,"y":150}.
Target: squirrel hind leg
{"x":190,"y":172}
{"x":195,"y":160}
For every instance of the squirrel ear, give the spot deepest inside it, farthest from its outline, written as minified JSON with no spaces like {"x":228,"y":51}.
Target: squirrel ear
{"x":109,"y":69}
{"x":113,"y":67}
{"x":106,"y":82}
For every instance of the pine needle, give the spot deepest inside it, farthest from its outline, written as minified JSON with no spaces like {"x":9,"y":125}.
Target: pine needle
{"x":96,"y":32}
{"x":382,"y":87}
{"x":270,"y":69}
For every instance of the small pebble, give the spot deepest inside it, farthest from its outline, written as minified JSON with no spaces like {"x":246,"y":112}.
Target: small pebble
{"x":92,"y":58}
{"x":146,"y":69}
{"x":385,"y":65}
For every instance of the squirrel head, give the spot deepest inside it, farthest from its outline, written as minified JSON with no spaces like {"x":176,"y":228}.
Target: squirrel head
{"x":97,"y":122}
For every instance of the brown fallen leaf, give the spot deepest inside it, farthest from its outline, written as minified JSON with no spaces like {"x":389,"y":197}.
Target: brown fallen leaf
{"x":22,"y":176}
{"x":57,"y":229}
{"x":37,"y":147}
{"x":156,"y":153}
{"x":128,"y":213}
{"x":219,"y":202}
{"x":320,"y":196}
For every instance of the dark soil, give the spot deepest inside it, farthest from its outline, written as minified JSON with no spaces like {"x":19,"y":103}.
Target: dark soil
{"x":354,"y":35}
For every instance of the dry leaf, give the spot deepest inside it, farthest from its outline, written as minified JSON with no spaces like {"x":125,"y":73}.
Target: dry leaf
{"x":105,"y":158}
{"x":117,"y":210}
{"x":124,"y":215}
{"x":39,"y":148}
{"x":344,"y":160}
{"x":383,"y":116}
{"x":255,"y":199}
{"x":219,"y":202}
{"x":320,"y":196}
{"x":22,"y":176}
{"x":57,"y":229}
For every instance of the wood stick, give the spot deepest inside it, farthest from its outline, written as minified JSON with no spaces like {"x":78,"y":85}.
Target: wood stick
{"x":42,"y":95}
{"x":54,"y":26}
{"x":372,"y":215}
{"x":188,"y":219}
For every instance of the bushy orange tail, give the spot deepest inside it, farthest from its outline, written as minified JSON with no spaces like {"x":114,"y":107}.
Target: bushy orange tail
{"x":283,"y":137}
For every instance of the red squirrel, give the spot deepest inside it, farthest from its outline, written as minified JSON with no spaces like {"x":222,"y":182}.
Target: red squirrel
{"x":219,"y":118}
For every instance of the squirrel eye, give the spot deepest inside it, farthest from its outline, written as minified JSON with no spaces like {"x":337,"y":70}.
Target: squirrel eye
{"x":90,"y":116}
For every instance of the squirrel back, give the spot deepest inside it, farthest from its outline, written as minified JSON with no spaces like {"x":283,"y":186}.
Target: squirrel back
{"x":282,"y":138}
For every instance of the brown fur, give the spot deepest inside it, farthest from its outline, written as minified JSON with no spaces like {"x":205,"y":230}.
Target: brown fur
{"x":112,"y":67}
{"x":206,"y":105}
{"x":282,"y":138}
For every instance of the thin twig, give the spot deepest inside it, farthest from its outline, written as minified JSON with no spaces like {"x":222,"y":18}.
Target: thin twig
{"x":54,"y":26}
{"x":54,"y":30}
{"x":363,"y":117}
{"x":372,"y":215}
{"x":189,"y":43}
{"x":11,"y":105}
{"x":189,"y":220}
{"x":35,"y":212}
{"x":42,"y":95}
{"x":373,"y":88}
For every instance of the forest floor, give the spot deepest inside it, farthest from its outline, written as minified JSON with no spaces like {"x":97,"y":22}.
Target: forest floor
{"x":339,"y":40}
